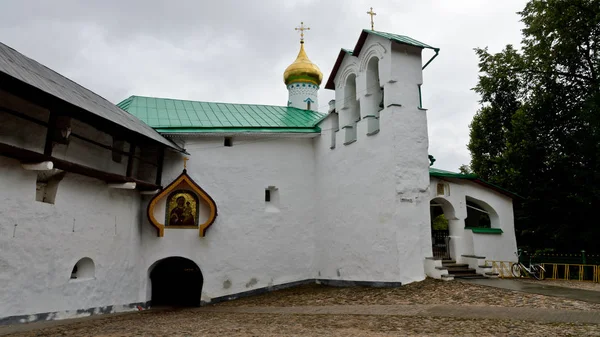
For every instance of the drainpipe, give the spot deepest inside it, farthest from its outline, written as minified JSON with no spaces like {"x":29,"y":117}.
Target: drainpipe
{"x":437,"y":51}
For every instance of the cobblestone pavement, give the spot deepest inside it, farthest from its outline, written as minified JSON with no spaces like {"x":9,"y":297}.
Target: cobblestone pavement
{"x":419,"y":309}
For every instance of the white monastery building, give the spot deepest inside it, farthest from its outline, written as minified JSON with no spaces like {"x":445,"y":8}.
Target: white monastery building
{"x":152,"y":201}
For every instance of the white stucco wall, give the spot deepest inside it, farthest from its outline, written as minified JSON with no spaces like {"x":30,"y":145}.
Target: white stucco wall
{"x":87,"y":220}
{"x":498,"y":247}
{"x":373,"y":223}
{"x":247,"y":247}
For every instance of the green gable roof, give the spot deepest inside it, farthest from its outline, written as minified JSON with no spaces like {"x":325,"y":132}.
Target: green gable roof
{"x":361,"y":41}
{"x":399,"y":38}
{"x":433,"y":172}
{"x":182,"y":116}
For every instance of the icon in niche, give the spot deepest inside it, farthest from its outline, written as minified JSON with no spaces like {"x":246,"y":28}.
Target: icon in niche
{"x":182,"y":209}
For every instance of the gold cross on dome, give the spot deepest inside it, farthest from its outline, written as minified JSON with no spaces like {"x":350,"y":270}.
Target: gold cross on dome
{"x":185,"y":159}
{"x":371,"y":13}
{"x":302,"y":29}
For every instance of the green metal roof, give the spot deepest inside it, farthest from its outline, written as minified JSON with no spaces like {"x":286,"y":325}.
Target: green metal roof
{"x":182,"y":116}
{"x":472,"y":177}
{"x":448,"y":174}
{"x":400,"y":39}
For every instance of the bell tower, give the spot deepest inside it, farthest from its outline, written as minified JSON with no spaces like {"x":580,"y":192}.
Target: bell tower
{"x":303,"y":79}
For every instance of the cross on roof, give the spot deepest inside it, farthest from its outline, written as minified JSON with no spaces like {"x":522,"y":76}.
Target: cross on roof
{"x":371,"y":13}
{"x":302,"y":29}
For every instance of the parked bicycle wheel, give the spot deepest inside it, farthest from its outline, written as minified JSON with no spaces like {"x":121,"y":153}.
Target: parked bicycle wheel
{"x":535,"y":272}
{"x":516,"y":270}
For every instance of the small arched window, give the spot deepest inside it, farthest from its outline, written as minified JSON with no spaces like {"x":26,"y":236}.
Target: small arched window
{"x":84,"y":269}
{"x":477,"y":216}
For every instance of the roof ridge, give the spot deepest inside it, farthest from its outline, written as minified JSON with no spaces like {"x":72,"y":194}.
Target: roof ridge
{"x":212,"y":102}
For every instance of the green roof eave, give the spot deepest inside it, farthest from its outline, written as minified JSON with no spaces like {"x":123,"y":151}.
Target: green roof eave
{"x":447,"y":174}
{"x":238,"y":130}
{"x":433,"y":172}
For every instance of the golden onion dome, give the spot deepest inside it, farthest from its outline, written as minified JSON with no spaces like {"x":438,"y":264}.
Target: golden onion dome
{"x":303,"y":70}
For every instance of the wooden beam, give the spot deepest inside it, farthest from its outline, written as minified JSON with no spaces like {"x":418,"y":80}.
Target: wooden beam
{"x":85,"y":139}
{"x":23,"y":116}
{"x":149,"y":192}
{"x":46,"y":100}
{"x":124,"y":186}
{"x":159,"y":168}
{"x":50,"y":134}
{"x":111,"y":178}
{"x":129,"y":171}
{"x":43,"y":166}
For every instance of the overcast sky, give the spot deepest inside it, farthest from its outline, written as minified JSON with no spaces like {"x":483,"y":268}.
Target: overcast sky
{"x":236,"y":51}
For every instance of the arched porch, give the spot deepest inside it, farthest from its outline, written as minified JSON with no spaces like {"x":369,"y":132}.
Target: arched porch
{"x":442,"y":215}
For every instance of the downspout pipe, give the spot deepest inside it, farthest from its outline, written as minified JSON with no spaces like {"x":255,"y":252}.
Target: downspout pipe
{"x":437,"y":51}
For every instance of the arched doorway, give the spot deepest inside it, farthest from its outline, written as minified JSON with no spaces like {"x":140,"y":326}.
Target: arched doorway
{"x":176,"y":281}
{"x":441,"y":211}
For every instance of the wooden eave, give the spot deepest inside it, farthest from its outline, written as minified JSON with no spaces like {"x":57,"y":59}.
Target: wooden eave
{"x":56,"y":105}
{"x":28,"y":156}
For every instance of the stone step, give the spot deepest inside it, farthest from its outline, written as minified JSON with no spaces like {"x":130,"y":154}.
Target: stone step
{"x":453,"y":266}
{"x":456,"y":265}
{"x":448,"y":261}
{"x":461,"y":271}
{"x":468,"y":276}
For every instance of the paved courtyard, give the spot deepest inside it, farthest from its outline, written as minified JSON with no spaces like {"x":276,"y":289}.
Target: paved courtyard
{"x":419,"y":309}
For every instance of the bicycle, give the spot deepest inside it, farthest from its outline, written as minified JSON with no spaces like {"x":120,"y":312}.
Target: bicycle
{"x":536,"y":270}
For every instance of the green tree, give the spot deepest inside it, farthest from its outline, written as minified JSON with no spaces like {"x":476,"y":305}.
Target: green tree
{"x":465,"y":169}
{"x":440,"y":223}
{"x":537,"y":132}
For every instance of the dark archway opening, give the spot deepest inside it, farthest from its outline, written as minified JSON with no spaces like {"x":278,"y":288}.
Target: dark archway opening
{"x":176,"y":281}
{"x":440,"y":231}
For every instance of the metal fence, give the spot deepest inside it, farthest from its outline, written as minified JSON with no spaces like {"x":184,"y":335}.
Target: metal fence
{"x":554,"y":271}
{"x":562,"y":258}
{"x":439,"y":240}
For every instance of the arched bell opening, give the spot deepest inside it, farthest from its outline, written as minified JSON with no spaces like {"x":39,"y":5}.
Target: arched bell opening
{"x":176,"y":281}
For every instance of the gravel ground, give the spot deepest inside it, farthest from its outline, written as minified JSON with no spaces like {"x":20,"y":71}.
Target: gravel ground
{"x":195,"y":322}
{"x":586,"y":285}
{"x":429,"y":291}
{"x":190,"y":322}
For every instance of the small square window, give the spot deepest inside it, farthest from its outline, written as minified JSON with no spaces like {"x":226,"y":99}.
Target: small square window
{"x":228,"y":142}
{"x":272,"y":199}
{"x":440,"y":189}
